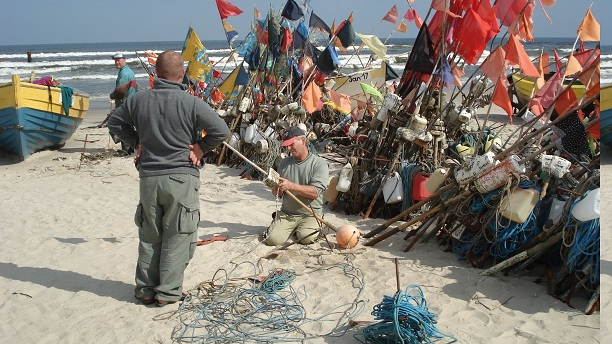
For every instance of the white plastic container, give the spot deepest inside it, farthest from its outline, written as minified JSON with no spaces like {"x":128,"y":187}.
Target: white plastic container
{"x":331,"y":193}
{"x":250,"y":132}
{"x":436,"y":179}
{"x":345,"y":177}
{"x":393,"y":189}
{"x":234,"y":141}
{"x":464,"y":116}
{"x":519,"y":205}
{"x":418,"y":123}
{"x":472,"y":168}
{"x":496,"y":176}
{"x":556,"y":210}
{"x":587,"y":208}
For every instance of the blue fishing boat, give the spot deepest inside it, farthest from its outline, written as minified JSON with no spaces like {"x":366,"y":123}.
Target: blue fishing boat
{"x":34,"y":117}
{"x":605,"y":120}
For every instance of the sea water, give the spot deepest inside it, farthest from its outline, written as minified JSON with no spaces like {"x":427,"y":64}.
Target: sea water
{"x":89,"y":67}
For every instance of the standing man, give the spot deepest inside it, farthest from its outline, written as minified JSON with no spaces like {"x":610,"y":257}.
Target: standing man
{"x":125,"y":85}
{"x":165,"y":124}
{"x":305,"y":175}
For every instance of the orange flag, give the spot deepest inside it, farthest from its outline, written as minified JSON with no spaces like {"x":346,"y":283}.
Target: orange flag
{"x":589,"y":28}
{"x":443,"y":6}
{"x":543,"y":63}
{"x":391,"y":16}
{"x":311,"y":97}
{"x":516,"y":55}
{"x":591,"y":78}
{"x":402,"y":27}
{"x":341,"y":100}
{"x":457,"y":74}
{"x":566,"y":101}
{"x":573,"y":66}
{"x":495,"y":64}
{"x":501,"y":98}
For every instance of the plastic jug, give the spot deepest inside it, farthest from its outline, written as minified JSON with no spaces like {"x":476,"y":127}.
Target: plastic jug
{"x":344,"y":180}
{"x":519,"y":205}
{"x":556,"y":210}
{"x":419,"y":191}
{"x":234,"y":141}
{"x":496,"y":176}
{"x":331,"y":193}
{"x":249,"y":134}
{"x":472,"y":168}
{"x":436,"y":179}
{"x":418,"y":123}
{"x":393,"y":189}
{"x":587,"y":208}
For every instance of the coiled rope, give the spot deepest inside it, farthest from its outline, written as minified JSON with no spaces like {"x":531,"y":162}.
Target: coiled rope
{"x":404,"y":318}
{"x":584,"y":249}
{"x":266,"y":312}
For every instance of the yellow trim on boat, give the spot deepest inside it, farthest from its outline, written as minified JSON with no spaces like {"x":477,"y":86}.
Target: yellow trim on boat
{"x":20,"y":94}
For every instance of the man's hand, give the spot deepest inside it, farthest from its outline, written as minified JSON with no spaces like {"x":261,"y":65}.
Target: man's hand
{"x":195,"y":154}
{"x":138,"y":153}
{"x":284,"y":185}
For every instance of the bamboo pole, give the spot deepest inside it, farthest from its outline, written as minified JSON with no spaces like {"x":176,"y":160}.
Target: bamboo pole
{"x":523,"y":255}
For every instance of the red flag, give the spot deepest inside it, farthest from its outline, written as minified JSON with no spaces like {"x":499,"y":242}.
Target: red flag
{"x":470,"y":37}
{"x":487,"y":13}
{"x":501,"y":98}
{"x":587,"y":57}
{"x":287,"y":40}
{"x":227,"y":9}
{"x":391,"y":16}
{"x":558,"y":62}
{"x":516,"y":55}
{"x":413,"y":16}
{"x":566,"y":101}
{"x":547,"y":94}
{"x":256,"y":12}
{"x":495,"y":64}
{"x":589,"y":28}
{"x":508,"y":11}
{"x":443,"y":6}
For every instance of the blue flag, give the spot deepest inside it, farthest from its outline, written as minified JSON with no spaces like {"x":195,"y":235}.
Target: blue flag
{"x":292,"y":11}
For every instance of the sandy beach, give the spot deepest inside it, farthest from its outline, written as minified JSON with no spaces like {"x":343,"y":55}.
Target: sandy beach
{"x":69,"y":249}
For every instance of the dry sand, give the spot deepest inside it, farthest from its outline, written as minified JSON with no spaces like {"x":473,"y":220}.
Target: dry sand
{"x":68,"y":254}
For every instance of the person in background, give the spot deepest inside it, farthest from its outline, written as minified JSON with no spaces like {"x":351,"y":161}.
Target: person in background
{"x":305,"y":175}
{"x":165,"y":124}
{"x":125,"y":86}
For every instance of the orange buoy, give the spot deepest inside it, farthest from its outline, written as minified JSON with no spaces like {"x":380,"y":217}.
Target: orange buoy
{"x":347,"y":236}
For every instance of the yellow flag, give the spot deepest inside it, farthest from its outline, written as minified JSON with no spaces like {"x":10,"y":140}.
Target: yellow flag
{"x":198,"y":70}
{"x":402,"y":27}
{"x":589,"y":28}
{"x":374,"y":44}
{"x":193,"y":47}
{"x":228,"y":85}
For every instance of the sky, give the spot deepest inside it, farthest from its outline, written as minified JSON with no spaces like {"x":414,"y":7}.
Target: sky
{"x":25,"y":22}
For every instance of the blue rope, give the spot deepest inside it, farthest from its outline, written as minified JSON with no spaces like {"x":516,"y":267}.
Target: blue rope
{"x":271,"y":312}
{"x":404,"y":318}
{"x":511,"y":236}
{"x":584,"y":251}
{"x":482,"y":202}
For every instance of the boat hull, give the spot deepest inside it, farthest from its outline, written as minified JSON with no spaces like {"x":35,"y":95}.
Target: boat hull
{"x":605,"y":120}
{"x":524,"y":88}
{"x":32,"y":117}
